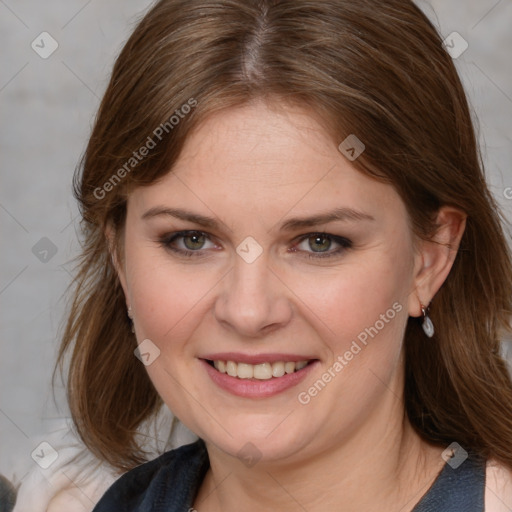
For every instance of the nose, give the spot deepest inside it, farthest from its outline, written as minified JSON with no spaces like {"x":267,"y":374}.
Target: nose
{"x":253,"y":300}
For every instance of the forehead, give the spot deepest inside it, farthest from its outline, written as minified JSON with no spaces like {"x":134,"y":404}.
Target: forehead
{"x":266,"y":160}
{"x":260,"y":143}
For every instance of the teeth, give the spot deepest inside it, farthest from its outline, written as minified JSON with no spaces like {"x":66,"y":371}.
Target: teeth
{"x":231,"y":368}
{"x":289,"y":367}
{"x":245,"y":371}
{"x":300,"y":364}
{"x":221,"y":366}
{"x":278,"y":369}
{"x":263,"y":371}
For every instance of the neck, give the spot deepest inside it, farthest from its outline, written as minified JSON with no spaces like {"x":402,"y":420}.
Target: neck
{"x":384,"y":456}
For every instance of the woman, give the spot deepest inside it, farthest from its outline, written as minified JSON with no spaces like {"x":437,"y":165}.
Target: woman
{"x":286,"y":221}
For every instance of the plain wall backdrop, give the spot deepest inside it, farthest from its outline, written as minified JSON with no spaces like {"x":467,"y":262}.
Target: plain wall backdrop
{"x":48,"y":102}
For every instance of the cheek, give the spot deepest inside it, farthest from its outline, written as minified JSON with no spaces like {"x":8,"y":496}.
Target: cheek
{"x":345,"y":303}
{"x":167,"y":298}
{"x":361,"y":316}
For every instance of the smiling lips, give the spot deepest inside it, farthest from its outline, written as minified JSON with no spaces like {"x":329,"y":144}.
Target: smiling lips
{"x":259,"y":375}
{"x":262,"y":371}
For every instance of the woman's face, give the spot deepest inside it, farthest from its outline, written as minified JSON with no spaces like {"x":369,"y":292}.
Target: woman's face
{"x":261,"y":284}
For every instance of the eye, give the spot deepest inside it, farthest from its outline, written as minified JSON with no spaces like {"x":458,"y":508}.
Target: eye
{"x":321,"y":243}
{"x":193,"y":243}
{"x":187,"y":243}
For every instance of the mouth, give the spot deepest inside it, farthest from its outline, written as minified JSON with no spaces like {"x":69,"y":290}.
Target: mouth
{"x":257,"y":376}
{"x":261,"y":371}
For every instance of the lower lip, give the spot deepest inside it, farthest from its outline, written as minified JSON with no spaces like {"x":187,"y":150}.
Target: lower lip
{"x":255,"y":388}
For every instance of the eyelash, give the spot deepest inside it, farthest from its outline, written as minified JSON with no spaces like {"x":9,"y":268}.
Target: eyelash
{"x":167,"y":240}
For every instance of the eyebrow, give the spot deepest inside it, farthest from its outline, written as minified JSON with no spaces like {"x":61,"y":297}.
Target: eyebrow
{"x":338,"y":214}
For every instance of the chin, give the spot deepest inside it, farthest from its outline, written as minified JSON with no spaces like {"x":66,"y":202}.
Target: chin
{"x":268,"y":440}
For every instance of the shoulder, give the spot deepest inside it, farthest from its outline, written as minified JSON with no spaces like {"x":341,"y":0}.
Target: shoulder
{"x":498,"y":487}
{"x":68,"y":500}
{"x":169,"y":473}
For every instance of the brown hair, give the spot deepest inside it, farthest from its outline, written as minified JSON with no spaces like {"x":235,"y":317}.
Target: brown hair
{"x":371,"y":68}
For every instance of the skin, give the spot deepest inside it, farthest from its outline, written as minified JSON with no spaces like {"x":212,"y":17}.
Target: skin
{"x":252,"y":168}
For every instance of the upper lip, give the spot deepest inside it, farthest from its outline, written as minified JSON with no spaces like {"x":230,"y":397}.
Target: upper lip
{"x":256,"y":358}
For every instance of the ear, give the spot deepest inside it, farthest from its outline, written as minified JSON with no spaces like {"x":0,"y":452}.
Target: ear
{"x":117,"y":261}
{"x":434,"y":259}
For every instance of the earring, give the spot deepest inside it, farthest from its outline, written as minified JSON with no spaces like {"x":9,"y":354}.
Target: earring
{"x":130,"y":316}
{"x":428,"y":326}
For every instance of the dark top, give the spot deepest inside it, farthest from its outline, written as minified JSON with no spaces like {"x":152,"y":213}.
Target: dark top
{"x":170,"y":484}
{"x":7,"y":495}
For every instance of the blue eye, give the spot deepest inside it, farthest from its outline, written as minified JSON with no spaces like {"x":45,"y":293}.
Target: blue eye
{"x":193,"y":242}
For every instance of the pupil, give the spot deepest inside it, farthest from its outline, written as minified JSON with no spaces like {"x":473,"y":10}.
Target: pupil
{"x":197,"y":241}
{"x":318,"y":239}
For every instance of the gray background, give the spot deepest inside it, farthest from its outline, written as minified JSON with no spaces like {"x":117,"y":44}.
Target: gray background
{"x":47,"y":108}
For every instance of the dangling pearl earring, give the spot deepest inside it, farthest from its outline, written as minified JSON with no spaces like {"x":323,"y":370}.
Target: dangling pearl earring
{"x":428,"y":326}
{"x":130,"y":316}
